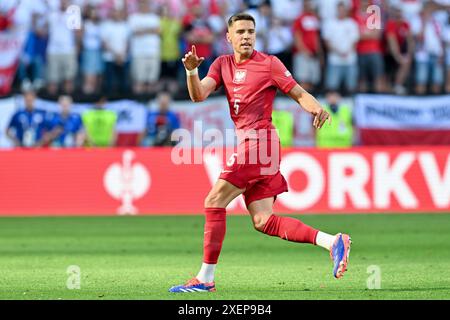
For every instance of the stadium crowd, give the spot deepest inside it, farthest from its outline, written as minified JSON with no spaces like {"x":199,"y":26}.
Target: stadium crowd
{"x":133,"y":49}
{"x":134,"y":46}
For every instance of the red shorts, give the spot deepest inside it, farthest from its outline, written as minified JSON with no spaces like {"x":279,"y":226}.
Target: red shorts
{"x":261,"y":178}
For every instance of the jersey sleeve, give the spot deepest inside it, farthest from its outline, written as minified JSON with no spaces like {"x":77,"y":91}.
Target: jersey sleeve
{"x":281,"y":77}
{"x":215,"y":72}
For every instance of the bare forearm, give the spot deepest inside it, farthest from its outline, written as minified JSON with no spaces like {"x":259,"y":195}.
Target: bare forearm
{"x":196,"y":92}
{"x":309,"y":103}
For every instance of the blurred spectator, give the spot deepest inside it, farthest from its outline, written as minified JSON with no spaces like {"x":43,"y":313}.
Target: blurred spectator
{"x":217,"y":21}
{"x":442,"y":16}
{"x":253,"y":4}
{"x":61,"y":51}
{"x":28,"y":125}
{"x":307,"y":48}
{"x":338,"y":134}
{"x":400,"y":49}
{"x":100,"y":125}
{"x":370,"y":51}
{"x":383,"y":5}
{"x":230,"y":7}
{"x":410,"y":8}
{"x":199,"y":33}
{"x":6,"y":16}
{"x":31,"y":69}
{"x":328,"y":9}
{"x":170,"y":51}
{"x":429,"y":53}
{"x":66,"y":127}
{"x":115,"y":53}
{"x":160,"y":124}
{"x":91,"y":59}
{"x":280,"y":44}
{"x":262,"y":16}
{"x":447,"y":58}
{"x":286,"y":10}
{"x":442,"y":11}
{"x":106,"y":7}
{"x":341,"y":36}
{"x":176,"y":8}
{"x":145,"y":28}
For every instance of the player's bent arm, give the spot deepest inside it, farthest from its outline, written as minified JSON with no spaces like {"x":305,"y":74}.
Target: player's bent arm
{"x":311,"y":105}
{"x":200,"y":90}
{"x":305,"y":99}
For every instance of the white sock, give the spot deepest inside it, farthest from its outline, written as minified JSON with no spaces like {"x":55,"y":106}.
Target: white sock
{"x":206,"y":273}
{"x":325,"y":240}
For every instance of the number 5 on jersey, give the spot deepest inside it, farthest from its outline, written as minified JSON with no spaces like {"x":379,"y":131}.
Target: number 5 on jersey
{"x":236,"y":106}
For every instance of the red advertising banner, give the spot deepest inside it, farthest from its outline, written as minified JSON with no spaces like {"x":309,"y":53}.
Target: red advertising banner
{"x":147,"y":181}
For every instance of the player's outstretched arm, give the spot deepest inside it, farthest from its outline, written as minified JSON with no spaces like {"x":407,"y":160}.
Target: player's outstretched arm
{"x":198,"y":90}
{"x":311,"y":105}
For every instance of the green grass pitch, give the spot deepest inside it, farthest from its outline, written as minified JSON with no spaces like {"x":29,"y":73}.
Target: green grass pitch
{"x":141,"y":257}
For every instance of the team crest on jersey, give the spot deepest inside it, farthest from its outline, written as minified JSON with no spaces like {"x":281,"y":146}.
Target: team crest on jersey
{"x":239,"y":76}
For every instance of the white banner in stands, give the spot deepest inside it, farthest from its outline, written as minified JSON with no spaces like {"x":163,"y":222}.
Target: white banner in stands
{"x":394,"y":112}
{"x":131,"y":115}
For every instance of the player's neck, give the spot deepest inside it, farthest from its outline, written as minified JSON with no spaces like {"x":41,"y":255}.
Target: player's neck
{"x":241,"y":58}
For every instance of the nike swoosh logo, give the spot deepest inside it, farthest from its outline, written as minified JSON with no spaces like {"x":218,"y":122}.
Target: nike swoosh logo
{"x":237,"y":89}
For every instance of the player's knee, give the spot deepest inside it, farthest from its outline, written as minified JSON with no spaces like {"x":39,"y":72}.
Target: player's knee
{"x":260,"y":220}
{"x":212,"y":200}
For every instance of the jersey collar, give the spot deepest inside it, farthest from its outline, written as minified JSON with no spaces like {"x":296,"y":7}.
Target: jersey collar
{"x":246,"y":61}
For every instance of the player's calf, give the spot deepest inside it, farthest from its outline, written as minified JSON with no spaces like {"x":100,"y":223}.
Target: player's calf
{"x":290,"y":229}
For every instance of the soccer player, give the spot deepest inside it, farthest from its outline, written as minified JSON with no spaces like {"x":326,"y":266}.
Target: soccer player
{"x":251,"y":80}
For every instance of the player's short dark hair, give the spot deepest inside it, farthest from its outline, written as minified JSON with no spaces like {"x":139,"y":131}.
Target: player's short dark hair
{"x":240,"y":16}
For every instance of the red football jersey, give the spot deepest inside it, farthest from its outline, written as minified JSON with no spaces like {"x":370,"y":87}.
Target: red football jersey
{"x":399,"y":29}
{"x":251,"y":87}
{"x":309,"y":26}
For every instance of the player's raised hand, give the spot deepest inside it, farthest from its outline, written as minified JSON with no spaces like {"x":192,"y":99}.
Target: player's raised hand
{"x":320,"y":117}
{"x":191,"y":60}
